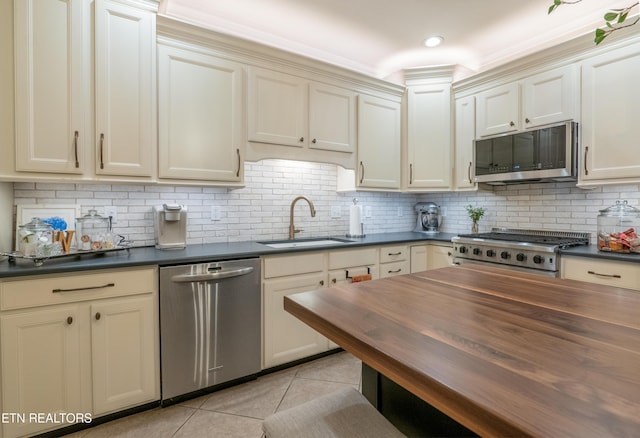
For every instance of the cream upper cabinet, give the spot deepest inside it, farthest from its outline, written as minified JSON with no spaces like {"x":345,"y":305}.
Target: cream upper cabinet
{"x":125,"y":47}
{"x":550,"y":97}
{"x":547,"y":97}
{"x":51,"y":81}
{"x":277,"y":110}
{"x":465,"y":129}
{"x":610,"y":106}
{"x":497,"y":110}
{"x":291,"y":111}
{"x":379,"y":141}
{"x":55,"y":42}
{"x":429,"y":145}
{"x":332,"y":118}
{"x":200,"y":113}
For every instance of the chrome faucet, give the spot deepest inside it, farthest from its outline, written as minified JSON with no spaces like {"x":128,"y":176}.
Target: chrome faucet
{"x":292,"y":229}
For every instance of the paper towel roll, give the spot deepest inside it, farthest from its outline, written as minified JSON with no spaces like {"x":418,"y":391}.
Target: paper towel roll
{"x":355,"y":220}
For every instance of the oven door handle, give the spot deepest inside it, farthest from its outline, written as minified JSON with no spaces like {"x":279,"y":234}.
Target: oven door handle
{"x":211,"y":276}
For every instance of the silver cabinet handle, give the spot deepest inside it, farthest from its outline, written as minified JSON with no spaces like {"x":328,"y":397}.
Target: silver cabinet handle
{"x":469,"y":171}
{"x":101,"y":150}
{"x":314,"y":141}
{"x":84,"y":288}
{"x":75,"y":147}
{"x":361,"y":171}
{"x":512,"y":123}
{"x":239,"y":162}
{"x":586,"y":152}
{"x":98,"y":316}
{"x":301,"y":139}
{"x":321,"y":282}
{"x":527,"y":120}
{"x":604,"y":275}
{"x":211,"y":276}
{"x":410,"y":173}
{"x":395,"y":272}
{"x":69,"y":320}
{"x":394,"y":253}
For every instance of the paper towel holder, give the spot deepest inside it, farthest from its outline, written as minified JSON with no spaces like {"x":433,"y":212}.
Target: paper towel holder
{"x":355,"y":231}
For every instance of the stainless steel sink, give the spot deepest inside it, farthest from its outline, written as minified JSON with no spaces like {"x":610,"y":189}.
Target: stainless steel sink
{"x":304,"y":243}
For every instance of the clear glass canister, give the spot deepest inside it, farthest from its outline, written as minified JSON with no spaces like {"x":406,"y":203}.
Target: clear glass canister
{"x":35,"y":238}
{"x":92,"y":232}
{"x":618,"y":226}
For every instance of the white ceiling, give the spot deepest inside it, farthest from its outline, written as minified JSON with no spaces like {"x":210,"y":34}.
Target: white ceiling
{"x":381,"y":37}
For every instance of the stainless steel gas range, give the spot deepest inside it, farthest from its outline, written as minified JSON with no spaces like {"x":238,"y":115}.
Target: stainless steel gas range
{"x":530,"y":250}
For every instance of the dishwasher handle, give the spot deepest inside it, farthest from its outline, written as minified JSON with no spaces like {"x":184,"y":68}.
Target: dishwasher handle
{"x":211,"y":276}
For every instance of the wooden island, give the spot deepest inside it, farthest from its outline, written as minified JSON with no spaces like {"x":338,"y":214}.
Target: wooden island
{"x":502,"y":353}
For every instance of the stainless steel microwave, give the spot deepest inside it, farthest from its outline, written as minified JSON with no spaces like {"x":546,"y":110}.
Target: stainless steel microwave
{"x":544,"y":154}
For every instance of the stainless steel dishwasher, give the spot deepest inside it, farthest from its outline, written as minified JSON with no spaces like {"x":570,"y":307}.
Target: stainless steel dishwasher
{"x":210,"y":325}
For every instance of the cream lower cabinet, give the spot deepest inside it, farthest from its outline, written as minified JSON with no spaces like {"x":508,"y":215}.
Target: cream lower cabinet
{"x":79,"y":343}
{"x":394,"y":260}
{"x":430,"y":256}
{"x":286,"y":338}
{"x":601,"y":271}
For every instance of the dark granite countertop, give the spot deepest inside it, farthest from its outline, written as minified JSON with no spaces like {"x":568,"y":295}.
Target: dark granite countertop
{"x":196,"y":254}
{"x":592,"y":251}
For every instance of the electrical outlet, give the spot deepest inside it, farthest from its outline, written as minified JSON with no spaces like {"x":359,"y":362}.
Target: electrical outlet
{"x":367,"y":211}
{"x":399,"y":211}
{"x":111,"y":211}
{"x":443,"y":211}
{"x":215,"y":213}
{"x":336,"y":212}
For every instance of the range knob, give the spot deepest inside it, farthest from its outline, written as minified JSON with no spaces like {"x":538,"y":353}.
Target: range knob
{"x":477,"y":251}
{"x":505,"y":255}
{"x":491,"y":253}
{"x":521,"y":257}
{"x":462,"y":249}
{"x":538,"y":259}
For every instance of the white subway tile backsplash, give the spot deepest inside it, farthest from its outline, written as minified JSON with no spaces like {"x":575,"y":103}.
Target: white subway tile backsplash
{"x":260,"y":210}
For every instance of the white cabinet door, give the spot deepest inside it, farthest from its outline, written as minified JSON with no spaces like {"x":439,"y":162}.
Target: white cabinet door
{"x":123,"y":352}
{"x":378,"y":143}
{"x":497,"y":110}
{"x":42,"y":366}
{"x":286,"y":338}
{"x":465,"y":131}
{"x":429,"y":137}
{"x":332,"y":125}
{"x":125,"y":89}
{"x":610,"y":108}
{"x":277,"y":111}
{"x":51,"y":85}
{"x":439,"y":256}
{"x":200,"y":101}
{"x":550,"y":97}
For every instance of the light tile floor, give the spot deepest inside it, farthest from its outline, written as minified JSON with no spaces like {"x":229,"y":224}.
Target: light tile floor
{"x":237,"y":411}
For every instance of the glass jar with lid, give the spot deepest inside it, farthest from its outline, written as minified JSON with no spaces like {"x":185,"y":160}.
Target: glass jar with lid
{"x":618,"y":226}
{"x":35,"y":238}
{"x":92,"y":232}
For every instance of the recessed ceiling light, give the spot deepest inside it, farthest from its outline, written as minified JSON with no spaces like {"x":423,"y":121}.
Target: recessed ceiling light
{"x":433,"y":41}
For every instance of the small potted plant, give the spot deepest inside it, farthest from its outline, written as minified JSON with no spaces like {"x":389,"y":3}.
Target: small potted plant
{"x":475,"y":213}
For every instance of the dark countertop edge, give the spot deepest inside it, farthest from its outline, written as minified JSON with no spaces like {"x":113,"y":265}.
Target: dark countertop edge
{"x":145,"y":256}
{"x":592,"y":251}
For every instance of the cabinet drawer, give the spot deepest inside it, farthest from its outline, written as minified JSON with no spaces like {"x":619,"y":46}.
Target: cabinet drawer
{"x":66,"y":288}
{"x":352,"y":257}
{"x":279,"y":266}
{"x":607,"y":272}
{"x":395,"y":268}
{"x":394,"y":253}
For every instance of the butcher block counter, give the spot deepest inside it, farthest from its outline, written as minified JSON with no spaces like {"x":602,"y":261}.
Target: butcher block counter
{"x":501,"y":352}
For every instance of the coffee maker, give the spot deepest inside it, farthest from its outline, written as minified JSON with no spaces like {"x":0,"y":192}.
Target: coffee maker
{"x":170,"y":226}
{"x":429,"y":217}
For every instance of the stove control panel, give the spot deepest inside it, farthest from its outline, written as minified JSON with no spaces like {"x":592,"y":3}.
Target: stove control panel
{"x":521,"y":257}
